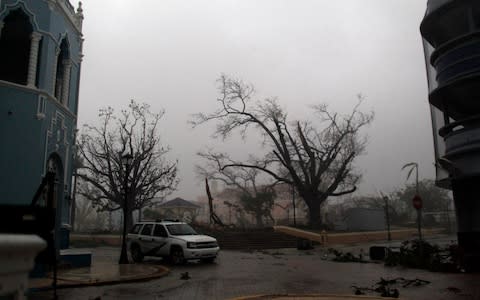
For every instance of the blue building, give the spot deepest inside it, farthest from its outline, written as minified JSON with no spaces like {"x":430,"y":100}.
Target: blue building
{"x":40,"y":58}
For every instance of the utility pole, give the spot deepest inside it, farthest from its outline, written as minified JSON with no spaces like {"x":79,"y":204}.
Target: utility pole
{"x":387,"y":216}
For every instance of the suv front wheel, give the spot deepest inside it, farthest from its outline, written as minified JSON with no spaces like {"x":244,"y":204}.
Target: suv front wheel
{"x":176,"y":256}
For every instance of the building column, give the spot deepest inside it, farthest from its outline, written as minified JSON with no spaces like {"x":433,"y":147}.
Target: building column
{"x":54,"y":77}
{"x":67,"y":65}
{"x":33,"y":61}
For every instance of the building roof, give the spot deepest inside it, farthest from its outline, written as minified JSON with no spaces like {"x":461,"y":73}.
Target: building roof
{"x":178,"y":202}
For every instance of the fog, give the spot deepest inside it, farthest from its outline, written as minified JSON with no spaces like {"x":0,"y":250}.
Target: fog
{"x":170,"y":53}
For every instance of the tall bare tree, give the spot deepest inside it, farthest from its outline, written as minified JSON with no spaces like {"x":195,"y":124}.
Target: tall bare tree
{"x":103,"y":176}
{"x":315,"y":157}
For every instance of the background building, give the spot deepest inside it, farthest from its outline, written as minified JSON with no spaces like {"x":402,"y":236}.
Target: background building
{"x":40,"y":58}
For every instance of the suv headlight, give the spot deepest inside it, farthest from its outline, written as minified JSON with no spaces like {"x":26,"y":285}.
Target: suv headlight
{"x":191,"y":245}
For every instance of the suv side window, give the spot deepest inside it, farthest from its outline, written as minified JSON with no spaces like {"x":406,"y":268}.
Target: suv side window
{"x":136,"y":228}
{"x":147,"y":229}
{"x":160,"y":231}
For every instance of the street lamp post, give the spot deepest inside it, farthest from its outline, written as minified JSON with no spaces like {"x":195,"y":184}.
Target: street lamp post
{"x":127,"y":161}
{"x":294,"y":209}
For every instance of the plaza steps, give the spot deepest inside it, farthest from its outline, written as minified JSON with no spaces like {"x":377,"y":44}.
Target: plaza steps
{"x":252,"y":239}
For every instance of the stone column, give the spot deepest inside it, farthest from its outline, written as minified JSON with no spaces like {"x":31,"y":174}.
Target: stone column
{"x":54,"y":77}
{"x":67,"y":66}
{"x":32,"y":63}
{"x":17,"y":258}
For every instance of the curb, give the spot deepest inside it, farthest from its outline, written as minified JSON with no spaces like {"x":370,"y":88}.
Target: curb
{"x":65,"y":283}
{"x":308,"y":296}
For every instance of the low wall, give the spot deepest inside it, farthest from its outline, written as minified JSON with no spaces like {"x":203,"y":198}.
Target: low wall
{"x":326,"y":238}
{"x":92,"y":240}
{"x":361,"y":237}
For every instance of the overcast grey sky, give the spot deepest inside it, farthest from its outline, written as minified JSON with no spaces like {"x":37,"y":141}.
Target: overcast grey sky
{"x":169,"y":54}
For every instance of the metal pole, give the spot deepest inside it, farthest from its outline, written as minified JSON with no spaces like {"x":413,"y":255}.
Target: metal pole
{"x":419,"y":211}
{"x":294,"y":213}
{"x":419,"y":221}
{"x":387,"y":214}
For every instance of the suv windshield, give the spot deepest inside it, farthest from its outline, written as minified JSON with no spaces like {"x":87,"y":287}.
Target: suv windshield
{"x":181,"y":229}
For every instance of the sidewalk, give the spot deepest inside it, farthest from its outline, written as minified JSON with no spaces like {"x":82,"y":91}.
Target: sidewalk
{"x":104,"y":270}
{"x":308,"y":297}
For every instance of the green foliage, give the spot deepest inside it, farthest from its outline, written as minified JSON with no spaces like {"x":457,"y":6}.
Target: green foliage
{"x":259,"y":204}
{"x":434,"y":198}
{"x":400,"y":205}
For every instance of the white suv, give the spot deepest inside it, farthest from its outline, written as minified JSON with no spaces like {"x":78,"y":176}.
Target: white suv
{"x":170,"y":239}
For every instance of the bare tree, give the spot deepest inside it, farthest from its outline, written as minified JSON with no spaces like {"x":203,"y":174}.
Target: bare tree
{"x":104,"y":178}
{"x":316,"y":158}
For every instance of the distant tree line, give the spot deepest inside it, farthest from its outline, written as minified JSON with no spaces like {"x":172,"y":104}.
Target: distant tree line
{"x":401,"y":210}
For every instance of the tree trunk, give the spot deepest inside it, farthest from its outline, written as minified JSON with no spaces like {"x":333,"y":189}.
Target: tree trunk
{"x":259,"y":220}
{"x":314,"y":217}
{"x":129,"y":220}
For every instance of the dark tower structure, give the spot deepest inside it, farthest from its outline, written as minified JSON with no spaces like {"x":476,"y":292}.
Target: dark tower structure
{"x":451,"y":33}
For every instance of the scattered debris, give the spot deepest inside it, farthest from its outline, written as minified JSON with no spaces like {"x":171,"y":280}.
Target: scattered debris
{"x":346,"y":257}
{"x":454,"y":290}
{"x":272,"y":253}
{"x":415,"y":282}
{"x":185,"y":276}
{"x":423,"y":255}
{"x":377,"y":252}
{"x":389,"y":287}
{"x":304,"y":244}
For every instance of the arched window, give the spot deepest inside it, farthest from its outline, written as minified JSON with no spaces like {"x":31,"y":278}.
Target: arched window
{"x":62,"y":77}
{"x":15,"y":39}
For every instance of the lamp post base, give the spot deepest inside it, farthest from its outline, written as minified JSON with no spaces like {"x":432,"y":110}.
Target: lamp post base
{"x":469,"y":243}
{"x":467,"y":205}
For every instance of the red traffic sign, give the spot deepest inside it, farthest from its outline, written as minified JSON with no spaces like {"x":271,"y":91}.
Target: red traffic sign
{"x":417,"y":202}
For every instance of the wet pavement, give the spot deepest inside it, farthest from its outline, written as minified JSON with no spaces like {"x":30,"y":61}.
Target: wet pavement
{"x":104,"y":270}
{"x":285,"y":271}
